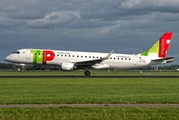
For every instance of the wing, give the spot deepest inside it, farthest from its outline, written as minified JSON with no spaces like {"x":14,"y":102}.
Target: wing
{"x":89,"y":63}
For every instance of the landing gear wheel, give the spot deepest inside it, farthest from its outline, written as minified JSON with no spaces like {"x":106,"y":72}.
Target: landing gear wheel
{"x":87,"y":73}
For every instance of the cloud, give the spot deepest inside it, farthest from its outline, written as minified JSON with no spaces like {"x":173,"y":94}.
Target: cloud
{"x":53,"y":20}
{"x":88,"y":25}
{"x":152,"y":5}
{"x":166,"y":17}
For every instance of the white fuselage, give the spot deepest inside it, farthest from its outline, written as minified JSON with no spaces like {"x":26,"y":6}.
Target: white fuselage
{"x":115,"y":61}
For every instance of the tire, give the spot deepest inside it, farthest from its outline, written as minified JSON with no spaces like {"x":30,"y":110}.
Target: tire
{"x":87,"y":73}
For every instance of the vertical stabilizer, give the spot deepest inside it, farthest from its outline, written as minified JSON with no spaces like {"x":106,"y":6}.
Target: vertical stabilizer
{"x":160,"y":48}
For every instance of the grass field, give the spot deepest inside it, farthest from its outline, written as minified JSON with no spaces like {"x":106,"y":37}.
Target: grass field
{"x":88,"y":90}
{"x":93,"y":73}
{"x":89,"y":114}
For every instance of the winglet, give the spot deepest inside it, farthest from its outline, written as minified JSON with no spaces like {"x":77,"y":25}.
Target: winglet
{"x":107,"y":57}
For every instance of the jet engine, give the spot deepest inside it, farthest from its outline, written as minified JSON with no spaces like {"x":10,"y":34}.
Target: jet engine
{"x":68,"y":66}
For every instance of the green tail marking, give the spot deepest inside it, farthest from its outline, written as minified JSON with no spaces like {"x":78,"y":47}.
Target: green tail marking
{"x":153,"y":49}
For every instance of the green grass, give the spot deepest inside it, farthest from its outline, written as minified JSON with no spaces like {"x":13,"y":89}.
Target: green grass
{"x":89,"y":113}
{"x":93,"y":73}
{"x":88,"y":90}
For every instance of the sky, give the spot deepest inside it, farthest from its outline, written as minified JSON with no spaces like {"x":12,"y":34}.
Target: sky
{"x":125,"y":26}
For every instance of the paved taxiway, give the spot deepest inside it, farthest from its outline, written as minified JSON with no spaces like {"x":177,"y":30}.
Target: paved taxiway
{"x":91,"y":105}
{"x":81,"y":76}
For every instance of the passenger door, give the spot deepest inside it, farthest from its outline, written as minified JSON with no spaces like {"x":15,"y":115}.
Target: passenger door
{"x":28,"y":54}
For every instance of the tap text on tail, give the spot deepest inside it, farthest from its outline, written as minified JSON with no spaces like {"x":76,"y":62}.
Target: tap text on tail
{"x":73,"y":60}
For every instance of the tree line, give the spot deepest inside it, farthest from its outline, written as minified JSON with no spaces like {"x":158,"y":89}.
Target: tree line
{"x":15,"y":67}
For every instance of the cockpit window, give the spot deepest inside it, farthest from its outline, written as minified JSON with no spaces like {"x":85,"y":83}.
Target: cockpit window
{"x":16,"y":52}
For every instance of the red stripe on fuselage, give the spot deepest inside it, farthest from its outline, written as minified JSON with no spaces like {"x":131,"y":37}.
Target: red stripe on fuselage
{"x":48,"y":56}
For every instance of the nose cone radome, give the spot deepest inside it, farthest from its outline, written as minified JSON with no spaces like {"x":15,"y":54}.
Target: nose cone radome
{"x":7,"y":59}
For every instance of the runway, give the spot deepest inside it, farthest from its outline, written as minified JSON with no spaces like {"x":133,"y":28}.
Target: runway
{"x":91,"y":105}
{"x":81,"y":76}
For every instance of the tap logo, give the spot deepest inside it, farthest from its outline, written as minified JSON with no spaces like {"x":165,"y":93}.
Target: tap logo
{"x":162,"y":47}
{"x":164,"y":43}
{"x":42,"y":56}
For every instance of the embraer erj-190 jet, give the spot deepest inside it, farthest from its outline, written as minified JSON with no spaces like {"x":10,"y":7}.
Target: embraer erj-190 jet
{"x":73,"y":60}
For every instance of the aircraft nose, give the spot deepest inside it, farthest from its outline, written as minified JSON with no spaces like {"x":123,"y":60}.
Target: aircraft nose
{"x":7,"y":58}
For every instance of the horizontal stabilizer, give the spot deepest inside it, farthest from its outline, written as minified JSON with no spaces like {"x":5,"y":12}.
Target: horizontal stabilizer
{"x":167,"y":60}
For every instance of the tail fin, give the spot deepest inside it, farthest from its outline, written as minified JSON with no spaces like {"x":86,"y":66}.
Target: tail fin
{"x":159,"y":49}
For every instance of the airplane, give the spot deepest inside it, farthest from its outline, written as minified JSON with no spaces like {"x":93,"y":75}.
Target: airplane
{"x":73,"y":60}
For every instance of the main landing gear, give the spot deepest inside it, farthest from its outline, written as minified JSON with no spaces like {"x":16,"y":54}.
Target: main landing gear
{"x":87,"y":73}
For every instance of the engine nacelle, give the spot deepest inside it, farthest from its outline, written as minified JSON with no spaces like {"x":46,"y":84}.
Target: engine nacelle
{"x":68,"y":66}
{"x":22,"y":65}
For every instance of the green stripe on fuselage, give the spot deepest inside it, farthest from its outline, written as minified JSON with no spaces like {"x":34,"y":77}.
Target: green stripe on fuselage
{"x":37,"y":56}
